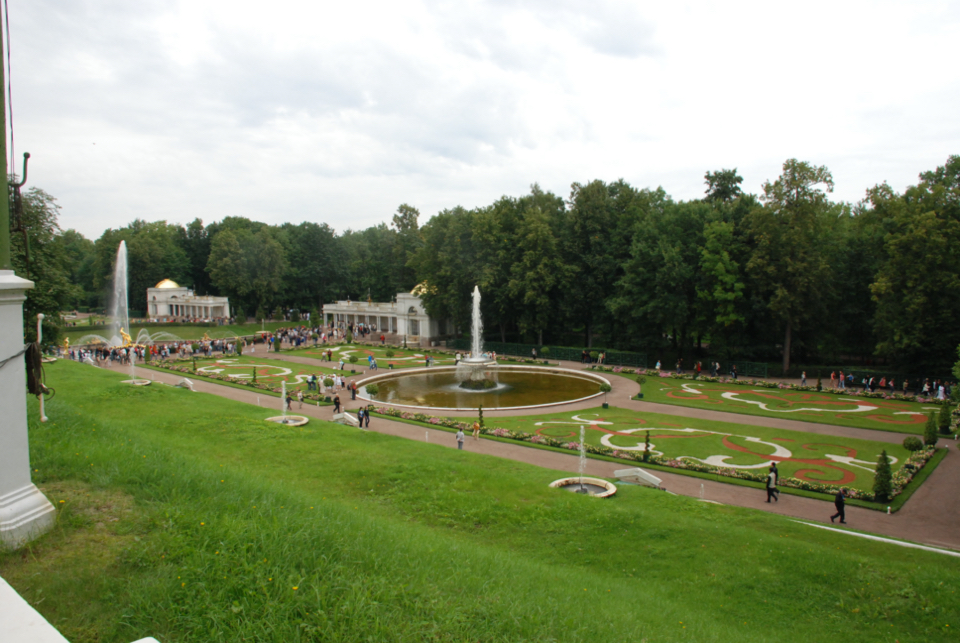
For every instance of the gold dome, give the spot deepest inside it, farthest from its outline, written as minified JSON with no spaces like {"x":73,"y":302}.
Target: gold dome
{"x":167,"y":283}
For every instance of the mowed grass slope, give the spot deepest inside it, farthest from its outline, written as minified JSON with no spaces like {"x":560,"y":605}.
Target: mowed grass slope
{"x":188,"y":518}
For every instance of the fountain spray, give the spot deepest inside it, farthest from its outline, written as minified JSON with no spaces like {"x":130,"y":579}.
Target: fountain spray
{"x":583,"y":457}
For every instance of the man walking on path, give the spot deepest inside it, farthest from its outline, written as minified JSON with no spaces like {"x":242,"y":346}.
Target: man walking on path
{"x":336,"y":404}
{"x":772,"y":484}
{"x":460,"y":438}
{"x":838,"y":502}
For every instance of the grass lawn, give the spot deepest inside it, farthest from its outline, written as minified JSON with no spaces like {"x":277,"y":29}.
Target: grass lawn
{"x":180,"y":332}
{"x":826,"y":408}
{"x":807,"y":456}
{"x":186,"y":517}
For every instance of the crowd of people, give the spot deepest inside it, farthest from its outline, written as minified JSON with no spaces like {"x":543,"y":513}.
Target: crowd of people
{"x":939,"y":389}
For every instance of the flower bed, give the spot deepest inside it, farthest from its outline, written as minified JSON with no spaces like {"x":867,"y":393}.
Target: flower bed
{"x":175,"y":367}
{"x":880,"y":395}
{"x":901,"y":478}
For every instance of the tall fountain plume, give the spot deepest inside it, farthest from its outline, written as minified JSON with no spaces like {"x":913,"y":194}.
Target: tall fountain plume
{"x":476,"y":326}
{"x":118,"y":302}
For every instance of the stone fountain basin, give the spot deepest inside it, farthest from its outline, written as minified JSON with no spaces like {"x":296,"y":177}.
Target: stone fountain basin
{"x":554,"y":370}
{"x":608,"y":488}
{"x":137,"y":382}
{"x":290,"y":420}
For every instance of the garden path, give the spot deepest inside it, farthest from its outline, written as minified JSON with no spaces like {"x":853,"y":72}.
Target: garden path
{"x":931,"y":516}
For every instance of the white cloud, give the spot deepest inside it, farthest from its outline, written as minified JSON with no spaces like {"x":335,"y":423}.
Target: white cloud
{"x":339,"y":112}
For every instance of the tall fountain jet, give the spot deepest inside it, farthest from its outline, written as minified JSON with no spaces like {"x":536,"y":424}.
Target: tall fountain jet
{"x":118,"y":302}
{"x":476,"y":327}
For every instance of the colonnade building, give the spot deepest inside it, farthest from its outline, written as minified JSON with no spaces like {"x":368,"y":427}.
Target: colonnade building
{"x":168,"y":301}
{"x":405,"y":317}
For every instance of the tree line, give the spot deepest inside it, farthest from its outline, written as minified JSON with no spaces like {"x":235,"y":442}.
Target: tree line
{"x":786,"y":274}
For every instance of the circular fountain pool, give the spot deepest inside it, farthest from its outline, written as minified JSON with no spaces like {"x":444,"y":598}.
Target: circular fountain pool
{"x":515,"y":387}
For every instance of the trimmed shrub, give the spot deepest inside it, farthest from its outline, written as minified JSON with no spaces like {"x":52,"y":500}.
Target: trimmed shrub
{"x":883,"y":479}
{"x":389,"y":353}
{"x":943,"y":421}
{"x":372,"y":390}
{"x":912,"y":443}
{"x":353,"y":359}
{"x":930,"y":431}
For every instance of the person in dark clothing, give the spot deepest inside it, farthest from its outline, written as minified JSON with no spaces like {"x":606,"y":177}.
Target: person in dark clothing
{"x":772,"y":484}
{"x":366,"y":419}
{"x":353,"y":391}
{"x":838,"y":502}
{"x":336,"y":404}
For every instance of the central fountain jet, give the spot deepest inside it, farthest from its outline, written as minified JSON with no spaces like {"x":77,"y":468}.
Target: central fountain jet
{"x":473,"y":371}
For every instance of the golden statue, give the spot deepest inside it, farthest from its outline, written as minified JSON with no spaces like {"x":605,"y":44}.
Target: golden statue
{"x":206,"y":337}
{"x":126,"y":339}
{"x":66,"y":343}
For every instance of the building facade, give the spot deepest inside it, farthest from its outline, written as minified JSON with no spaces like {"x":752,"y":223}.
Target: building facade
{"x":168,"y":301}
{"x":405,"y":317}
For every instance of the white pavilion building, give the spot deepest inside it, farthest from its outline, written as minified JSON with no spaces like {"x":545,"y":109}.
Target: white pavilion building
{"x":168,"y":301}
{"x":405,"y":317}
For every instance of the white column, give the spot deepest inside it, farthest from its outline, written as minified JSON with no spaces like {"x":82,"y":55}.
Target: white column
{"x":25,"y":513}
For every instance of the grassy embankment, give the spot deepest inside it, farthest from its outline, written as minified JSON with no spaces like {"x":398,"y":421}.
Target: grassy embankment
{"x":185,"y":517}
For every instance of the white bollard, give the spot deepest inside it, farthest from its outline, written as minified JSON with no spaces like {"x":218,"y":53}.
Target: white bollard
{"x":888,"y":511}
{"x":427,"y":439}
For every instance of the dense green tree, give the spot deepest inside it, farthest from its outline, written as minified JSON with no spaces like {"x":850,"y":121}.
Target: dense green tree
{"x":788,"y":233}
{"x":723,"y":185}
{"x":195,"y":241}
{"x":917,"y":288}
{"x":78,"y":254}
{"x":36,"y":255}
{"x":537,"y":275}
{"x":247,"y":266}
{"x":408,"y":242}
{"x":658,"y":293}
{"x":447,"y":264}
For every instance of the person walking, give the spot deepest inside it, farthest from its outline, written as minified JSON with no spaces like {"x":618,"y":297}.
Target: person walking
{"x":772,"y":484}
{"x":476,"y":430}
{"x":353,"y":390}
{"x":460,"y":438}
{"x":300,"y":397}
{"x":336,"y":404}
{"x":803,"y":378}
{"x":839,"y":502}
{"x":366,"y":418}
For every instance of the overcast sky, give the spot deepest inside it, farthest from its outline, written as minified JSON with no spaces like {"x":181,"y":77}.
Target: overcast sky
{"x":339,"y":112}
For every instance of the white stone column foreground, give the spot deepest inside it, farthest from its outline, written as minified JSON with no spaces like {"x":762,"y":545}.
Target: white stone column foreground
{"x":25,"y":513}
